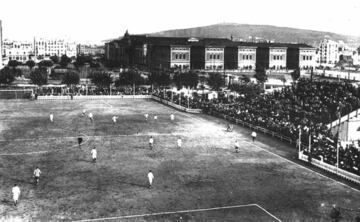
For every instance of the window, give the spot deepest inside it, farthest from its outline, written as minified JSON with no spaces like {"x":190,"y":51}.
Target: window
{"x":218,"y":56}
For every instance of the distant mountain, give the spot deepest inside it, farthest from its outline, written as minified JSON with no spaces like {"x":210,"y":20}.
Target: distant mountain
{"x":264,"y":32}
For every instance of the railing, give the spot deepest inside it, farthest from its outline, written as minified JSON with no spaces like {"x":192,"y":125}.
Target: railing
{"x":251,"y":126}
{"x":176,"y":106}
{"x":94,"y":97}
{"x":330,"y":168}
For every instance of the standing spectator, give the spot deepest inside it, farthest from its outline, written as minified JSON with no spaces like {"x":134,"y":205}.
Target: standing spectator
{"x":16,"y":194}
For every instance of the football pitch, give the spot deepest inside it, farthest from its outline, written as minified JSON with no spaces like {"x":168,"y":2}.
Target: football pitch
{"x":205,"y":180}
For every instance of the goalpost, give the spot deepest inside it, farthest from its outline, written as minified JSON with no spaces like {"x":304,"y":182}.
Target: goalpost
{"x":16,"y":93}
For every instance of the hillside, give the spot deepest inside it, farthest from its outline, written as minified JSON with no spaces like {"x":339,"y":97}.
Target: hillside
{"x":267,"y":32}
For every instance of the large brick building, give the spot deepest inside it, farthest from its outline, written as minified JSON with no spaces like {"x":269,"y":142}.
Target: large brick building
{"x":206,"y":53}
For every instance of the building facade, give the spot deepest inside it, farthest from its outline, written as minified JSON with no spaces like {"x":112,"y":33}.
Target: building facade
{"x":180,"y":57}
{"x":206,"y":53}
{"x":93,"y":50}
{"x":17,"y":50}
{"x":277,"y":57}
{"x":246,"y":57}
{"x":53,"y":47}
{"x":307,"y":58}
{"x":328,"y":52}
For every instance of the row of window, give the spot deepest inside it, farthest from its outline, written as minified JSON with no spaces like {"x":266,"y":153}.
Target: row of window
{"x":214,"y":56}
{"x":183,"y":56}
{"x":307,"y":57}
{"x":18,"y":58}
{"x":278,"y":57}
{"x":247,"y":57}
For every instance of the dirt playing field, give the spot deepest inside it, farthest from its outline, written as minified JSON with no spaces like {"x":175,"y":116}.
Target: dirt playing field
{"x":205,"y":180}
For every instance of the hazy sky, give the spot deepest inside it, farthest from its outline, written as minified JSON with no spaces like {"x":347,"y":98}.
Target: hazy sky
{"x":93,"y":20}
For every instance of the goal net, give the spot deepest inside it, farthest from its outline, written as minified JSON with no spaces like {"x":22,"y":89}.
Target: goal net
{"x":15,"y":93}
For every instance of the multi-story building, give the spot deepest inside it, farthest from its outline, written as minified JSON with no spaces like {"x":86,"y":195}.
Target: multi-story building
{"x":17,"y":50}
{"x":206,"y":53}
{"x":93,"y":50}
{"x":53,"y":47}
{"x":328,"y":52}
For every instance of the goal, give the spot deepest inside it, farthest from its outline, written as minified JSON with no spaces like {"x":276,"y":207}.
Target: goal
{"x":15,"y":93}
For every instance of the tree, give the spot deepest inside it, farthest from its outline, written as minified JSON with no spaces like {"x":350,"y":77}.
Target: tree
{"x":39,"y":76}
{"x":54,"y":59}
{"x":130,"y":77}
{"x":216,"y":81}
{"x":71,"y":78}
{"x":6,"y":76}
{"x":30,"y":64}
{"x":160,"y":79}
{"x":295,"y":74}
{"x":45,"y":63}
{"x":64,"y":60}
{"x":101,"y":79}
{"x":188,"y":79}
{"x":13,"y":64}
{"x":82,"y":59}
{"x":260,"y":75}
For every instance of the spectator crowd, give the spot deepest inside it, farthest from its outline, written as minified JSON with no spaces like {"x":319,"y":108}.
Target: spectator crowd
{"x":307,"y":106}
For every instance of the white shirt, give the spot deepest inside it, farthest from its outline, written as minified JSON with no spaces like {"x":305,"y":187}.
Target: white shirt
{"x":253,"y":134}
{"x":172,"y":117}
{"x":150,"y":176}
{"x":146,"y":115}
{"x":90,"y":115}
{"x":114,"y":118}
{"x":93,"y":153}
{"x":151,"y":140}
{"x":16,"y":191}
{"x":51,"y":116}
{"x":155,"y":117}
{"x":37,"y":172}
{"x":179,"y":142}
{"x":84,"y":111}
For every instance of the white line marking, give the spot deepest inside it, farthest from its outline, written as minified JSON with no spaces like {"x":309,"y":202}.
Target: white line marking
{"x":268,"y":212}
{"x":106,"y":103}
{"x":301,"y":166}
{"x":180,"y":211}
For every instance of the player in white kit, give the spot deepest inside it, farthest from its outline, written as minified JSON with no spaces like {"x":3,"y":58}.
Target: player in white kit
{"x":16,"y":193}
{"x":151,"y":178}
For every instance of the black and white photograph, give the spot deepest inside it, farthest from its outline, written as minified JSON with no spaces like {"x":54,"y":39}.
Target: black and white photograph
{"x":180,"y":111}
